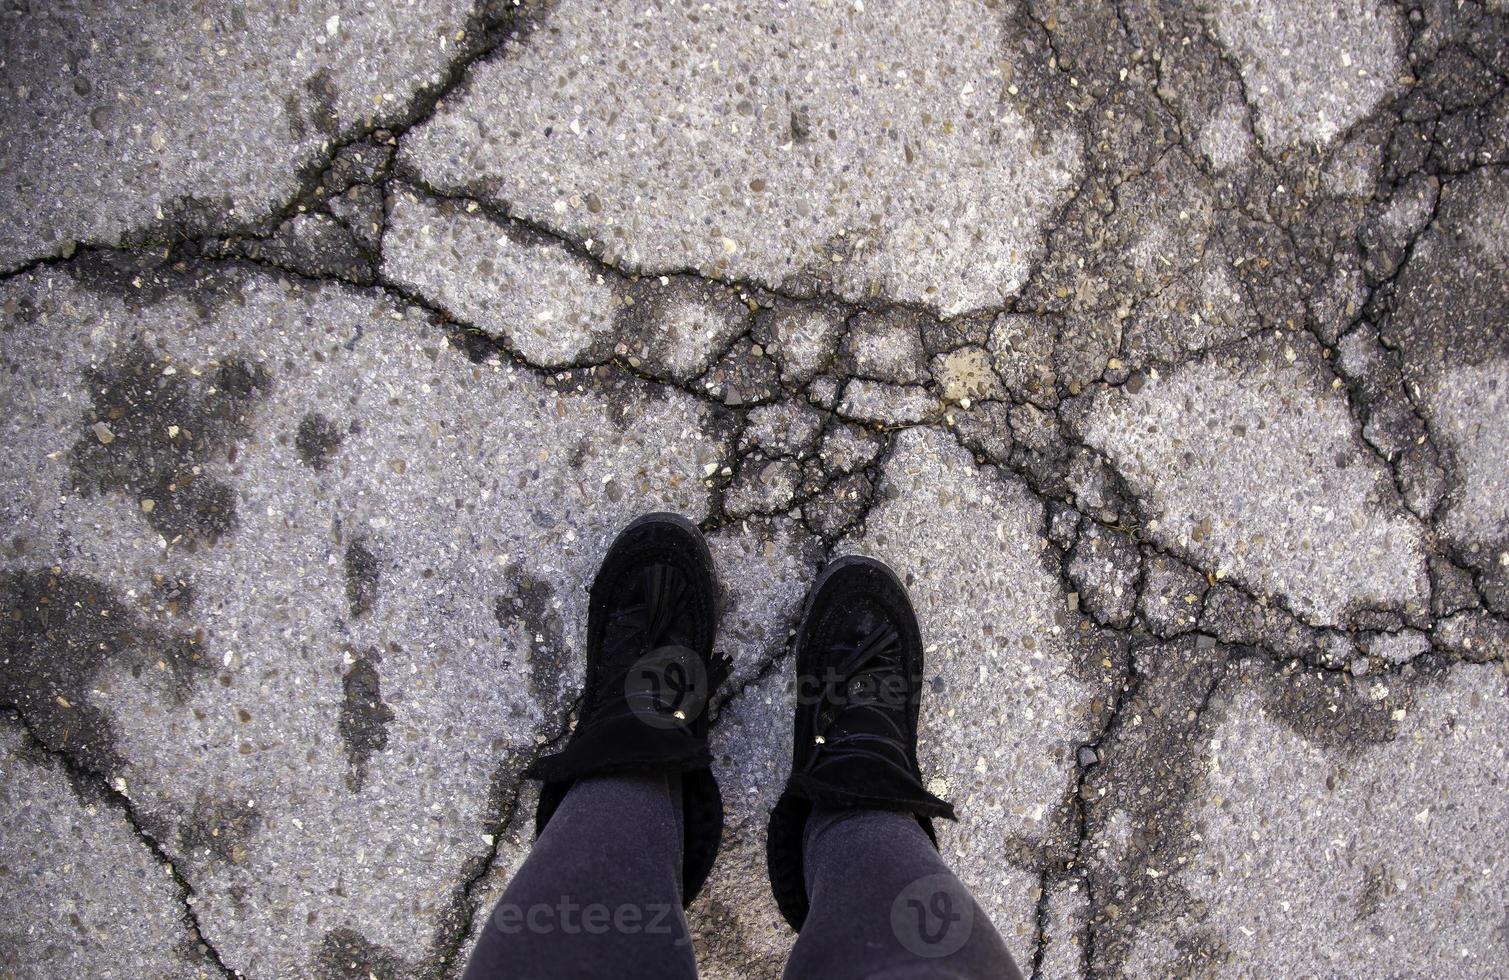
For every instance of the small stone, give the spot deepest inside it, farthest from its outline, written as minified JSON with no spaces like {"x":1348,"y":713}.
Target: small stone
{"x":103,"y":434}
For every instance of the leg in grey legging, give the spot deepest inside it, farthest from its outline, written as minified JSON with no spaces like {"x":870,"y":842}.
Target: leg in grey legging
{"x":883,"y":904}
{"x":600,"y":893}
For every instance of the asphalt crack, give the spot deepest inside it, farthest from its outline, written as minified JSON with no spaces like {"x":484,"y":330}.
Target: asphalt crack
{"x":123,"y":805}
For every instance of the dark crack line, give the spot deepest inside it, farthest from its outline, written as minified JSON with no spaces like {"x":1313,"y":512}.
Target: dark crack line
{"x":1123,"y":692}
{"x":502,"y":211}
{"x":127,"y":809}
{"x":1040,"y":918}
{"x":485,"y":35}
{"x":749,"y":288}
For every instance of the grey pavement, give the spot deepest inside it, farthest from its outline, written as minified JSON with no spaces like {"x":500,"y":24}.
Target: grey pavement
{"x":1162,"y":349}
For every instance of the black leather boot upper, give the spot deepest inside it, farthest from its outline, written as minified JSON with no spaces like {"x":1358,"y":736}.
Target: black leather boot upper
{"x":859,"y":679}
{"x":650,"y":674}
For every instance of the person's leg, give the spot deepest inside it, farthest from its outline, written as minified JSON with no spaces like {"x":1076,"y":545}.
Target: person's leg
{"x":616,"y":856}
{"x":884,"y":905}
{"x":849,"y":845}
{"x":600,"y":893}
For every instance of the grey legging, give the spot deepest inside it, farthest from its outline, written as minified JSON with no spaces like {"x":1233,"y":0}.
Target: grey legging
{"x":599,"y":896}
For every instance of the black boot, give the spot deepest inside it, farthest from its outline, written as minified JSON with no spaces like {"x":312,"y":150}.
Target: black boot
{"x":650,"y":674}
{"x":859,"y":682}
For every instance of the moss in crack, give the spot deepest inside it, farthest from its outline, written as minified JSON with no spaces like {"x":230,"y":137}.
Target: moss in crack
{"x":59,"y":633}
{"x":531,"y":608}
{"x":317,"y":441}
{"x":345,"y":954}
{"x":363,"y":575}
{"x":219,"y":829}
{"x":154,"y":427}
{"x":365,"y":717}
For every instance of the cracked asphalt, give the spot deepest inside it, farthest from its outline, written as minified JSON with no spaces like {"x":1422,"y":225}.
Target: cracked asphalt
{"x":1161,"y":348}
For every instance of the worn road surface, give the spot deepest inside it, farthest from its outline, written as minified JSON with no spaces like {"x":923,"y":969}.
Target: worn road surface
{"x":1162,"y":348}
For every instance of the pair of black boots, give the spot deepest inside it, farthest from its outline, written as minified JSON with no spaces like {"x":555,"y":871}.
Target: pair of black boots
{"x":651,"y":672}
